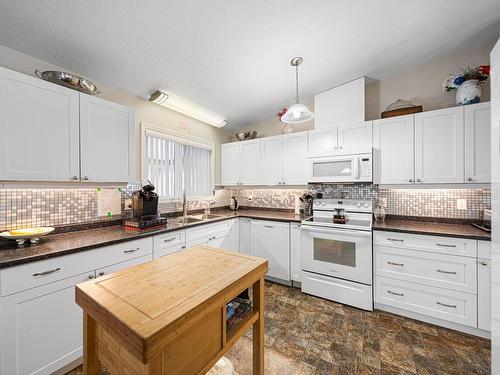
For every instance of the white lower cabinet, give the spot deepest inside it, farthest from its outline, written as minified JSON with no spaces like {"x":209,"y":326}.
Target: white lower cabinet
{"x":484,"y":294}
{"x":40,"y":323}
{"x":244,"y":235}
{"x":214,"y":235}
{"x":233,"y":235}
{"x":270,"y":240}
{"x":169,"y":243}
{"x":295,"y":252}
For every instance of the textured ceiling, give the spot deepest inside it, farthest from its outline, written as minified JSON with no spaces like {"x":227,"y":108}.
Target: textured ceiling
{"x":232,"y":56}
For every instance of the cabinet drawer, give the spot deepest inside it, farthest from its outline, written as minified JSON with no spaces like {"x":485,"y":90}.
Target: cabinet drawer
{"x":31,"y":275}
{"x":203,"y":233}
{"x":166,"y":240}
{"x":439,"y":270}
{"x":439,"y":303}
{"x":434,"y":244}
{"x":158,"y":253}
{"x":484,"y":249}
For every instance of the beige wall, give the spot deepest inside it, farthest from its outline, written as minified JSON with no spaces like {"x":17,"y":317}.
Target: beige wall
{"x":420,"y":84}
{"x":144,"y":111}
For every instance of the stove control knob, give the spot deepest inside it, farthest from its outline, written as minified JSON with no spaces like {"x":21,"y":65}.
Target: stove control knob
{"x":316,"y":203}
{"x":323,"y":203}
{"x":366,"y":205}
{"x":358,"y":205}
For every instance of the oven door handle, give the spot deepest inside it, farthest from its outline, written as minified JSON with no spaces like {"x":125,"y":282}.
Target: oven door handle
{"x":336,"y":231}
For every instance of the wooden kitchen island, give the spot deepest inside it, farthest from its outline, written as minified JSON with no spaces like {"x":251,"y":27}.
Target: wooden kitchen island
{"x":169,"y":316}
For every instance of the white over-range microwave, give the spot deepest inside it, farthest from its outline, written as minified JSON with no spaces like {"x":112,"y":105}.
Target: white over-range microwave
{"x":341,"y":168}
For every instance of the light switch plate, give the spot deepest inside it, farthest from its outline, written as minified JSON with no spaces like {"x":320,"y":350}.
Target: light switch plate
{"x":461,"y":204}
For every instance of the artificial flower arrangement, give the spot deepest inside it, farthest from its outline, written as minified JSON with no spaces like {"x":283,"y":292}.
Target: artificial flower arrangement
{"x":281,"y":113}
{"x":467,"y":84}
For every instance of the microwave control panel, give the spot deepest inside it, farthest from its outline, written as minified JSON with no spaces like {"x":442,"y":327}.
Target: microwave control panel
{"x":365,"y":165}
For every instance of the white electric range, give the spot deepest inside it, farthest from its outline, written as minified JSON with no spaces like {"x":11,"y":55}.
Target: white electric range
{"x":337,"y":256}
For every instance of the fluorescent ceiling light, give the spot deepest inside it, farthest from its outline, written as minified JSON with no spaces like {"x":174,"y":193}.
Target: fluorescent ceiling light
{"x":181,"y":105}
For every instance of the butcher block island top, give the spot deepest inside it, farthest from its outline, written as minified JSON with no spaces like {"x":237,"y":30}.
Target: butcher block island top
{"x":169,"y":316}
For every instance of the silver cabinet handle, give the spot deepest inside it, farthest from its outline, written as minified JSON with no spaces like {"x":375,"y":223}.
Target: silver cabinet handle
{"x":101,"y":273}
{"x":395,"y":240}
{"x":46,"y":272}
{"x":445,"y":245}
{"x":446,"y":305}
{"x":268,"y":226}
{"x":131,"y":251}
{"x":447,"y":272}
{"x":483,"y":263}
{"x":419,"y":180}
{"x":469,"y":179}
{"x":396,"y":294}
{"x":396,"y":264}
{"x":410,"y":180}
{"x":86,"y":178}
{"x":169,"y":239}
{"x":91,"y":276}
{"x":284,"y":183}
{"x":74,"y":178}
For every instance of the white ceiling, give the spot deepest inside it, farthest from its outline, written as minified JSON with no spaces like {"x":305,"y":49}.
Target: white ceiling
{"x":232,"y":56}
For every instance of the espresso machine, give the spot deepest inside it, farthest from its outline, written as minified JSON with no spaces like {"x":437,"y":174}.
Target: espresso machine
{"x":145,"y":210}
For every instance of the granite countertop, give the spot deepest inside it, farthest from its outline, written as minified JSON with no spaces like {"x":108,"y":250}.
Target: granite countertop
{"x":71,"y":242}
{"x":432,"y":228}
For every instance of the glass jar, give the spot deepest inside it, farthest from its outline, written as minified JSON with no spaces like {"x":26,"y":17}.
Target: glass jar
{"x":379,"y":213}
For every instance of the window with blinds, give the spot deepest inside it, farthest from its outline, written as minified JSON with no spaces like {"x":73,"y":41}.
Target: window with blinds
{"x":174,"y":166}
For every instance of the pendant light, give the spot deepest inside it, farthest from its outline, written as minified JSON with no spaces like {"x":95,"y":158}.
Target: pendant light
{"x":298,"y":112}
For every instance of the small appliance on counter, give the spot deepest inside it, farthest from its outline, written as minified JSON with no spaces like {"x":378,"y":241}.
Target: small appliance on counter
{"x":486,"y":223}
{"x":233,"y":204}
{"x":145,"y":209}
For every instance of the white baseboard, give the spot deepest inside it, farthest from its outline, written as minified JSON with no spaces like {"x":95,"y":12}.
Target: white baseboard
{"x":435,"y":321}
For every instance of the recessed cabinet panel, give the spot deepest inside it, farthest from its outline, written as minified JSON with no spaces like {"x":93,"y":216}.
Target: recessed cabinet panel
{"x":272,"y":160}
{"x":439,"y":146}
{"x":477,"y":143}
{"x":394,"y":140}
{"x":230,"y":155}
{"x":39,"y":129}
{"x":484,"y":294}
{"x":321,"y":142}
{"x":107,"y":140}
{"x":250,"y":162}
{"x":295,"y":163}
{"x":355,"y":137}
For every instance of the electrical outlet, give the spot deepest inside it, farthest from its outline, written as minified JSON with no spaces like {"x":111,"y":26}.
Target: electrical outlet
{"x":461,"y":204}
{"x":249,"y":198}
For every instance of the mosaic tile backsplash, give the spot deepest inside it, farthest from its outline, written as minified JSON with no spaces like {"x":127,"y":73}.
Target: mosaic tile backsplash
{"x":62,"y":206}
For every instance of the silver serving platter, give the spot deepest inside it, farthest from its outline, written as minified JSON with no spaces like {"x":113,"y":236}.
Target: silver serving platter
{"x":69,"y":80}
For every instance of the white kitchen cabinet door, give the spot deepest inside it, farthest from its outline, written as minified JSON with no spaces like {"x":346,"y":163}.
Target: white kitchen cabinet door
{"x":393,"y":139}
{"x":272,"y":160}
{"x":233,"y":235}
{"x":484,"y":294}
{"x":322,"y":142}
{"x":477,"y":143}
{"x":39,"y":125}
{"x":107,"y":141}
{"x":250,"y":165}
{"x":295,"y":252}
{"x":41,"y":328}
{"x":295,"y":163}
{"x":230,"y":157}
{"x":270,"y":240}
{"x":355,"y":137}
{"x":439,"y":146}
{"x":123,"y":265}
{"x":220,"y":243}
{"x":244,"y":235}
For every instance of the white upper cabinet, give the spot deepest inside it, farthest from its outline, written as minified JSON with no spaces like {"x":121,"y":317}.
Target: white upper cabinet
{"x":39,"y":129}
{"x":230,"y":160}
{"x":272,"y":160}
{"x":394,"y":140}
{"x":322,"y":142}
{"x":250,"y":173}
{"x":107,"y":140}
{"x":355,"y":137}
{"x":477,"y":143}
{"x":295,"y":164}
{"x":439,"y":146}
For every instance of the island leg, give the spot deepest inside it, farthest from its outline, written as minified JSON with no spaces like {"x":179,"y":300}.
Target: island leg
{"x":91,"y":365}
{"x":258,"y":328}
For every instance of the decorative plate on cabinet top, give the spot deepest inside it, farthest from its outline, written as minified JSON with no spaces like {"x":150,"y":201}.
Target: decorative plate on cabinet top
{"x":68,"y":80}
{"x":31,"y":234}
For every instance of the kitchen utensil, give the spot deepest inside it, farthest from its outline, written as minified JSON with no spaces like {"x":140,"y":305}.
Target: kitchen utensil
{"x":319,"y":195}
{"x":68,"y":80}
{"x":245,"y":136}
{"x":233,"y":205}
{"x":23,"y":235}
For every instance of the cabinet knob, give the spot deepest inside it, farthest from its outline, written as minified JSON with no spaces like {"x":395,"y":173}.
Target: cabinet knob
{"x":483,"y":263}
{"x":469,"y":179}
{"x":91,"y":276}
{"x":410,"y":180}
{"x":74,"y":178}
{"x":419,"y":180}
{"x":86,"y":178}
{"x":101,"y":273}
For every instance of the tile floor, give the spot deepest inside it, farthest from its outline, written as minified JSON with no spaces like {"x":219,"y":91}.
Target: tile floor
{"x":308,"y":335}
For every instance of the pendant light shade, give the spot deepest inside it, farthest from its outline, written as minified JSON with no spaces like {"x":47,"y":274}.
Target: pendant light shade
{"x":298,"y":112}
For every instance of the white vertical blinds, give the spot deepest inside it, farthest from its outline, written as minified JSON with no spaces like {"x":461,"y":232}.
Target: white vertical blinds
{"x":173,"y":166}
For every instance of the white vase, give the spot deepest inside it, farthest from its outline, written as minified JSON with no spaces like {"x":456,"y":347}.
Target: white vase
{"x":287,"y":129}
{"x":469,"y":92}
